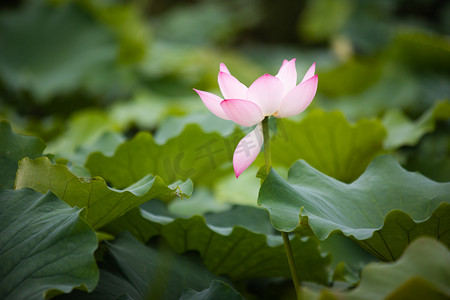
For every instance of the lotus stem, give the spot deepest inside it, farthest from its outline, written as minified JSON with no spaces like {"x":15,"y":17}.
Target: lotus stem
{"x":266,"y":136}
{"x":292,"y":267}
{"x":287,"y":242}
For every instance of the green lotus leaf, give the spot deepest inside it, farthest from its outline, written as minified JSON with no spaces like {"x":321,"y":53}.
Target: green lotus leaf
{"x":313,"y":26}
{"x":201,"y":202}
{"x":90,"y":129}
{"x":384,"y":210}
{"x":48,"y":41}
{"x":402,"y":131}
{"x":394,"y":83}
{"x":431,"y":157}
{"x":240,"y":243}
{"x":228,"y":190}
{"x":362,"y":72}
{"x":410,"y":75}
{"x":422,"y":272}
{"x":218,"y":290}
{"x":173,"y":126}
{"x":193,"y":154}
{"x":348,"y":258}
{"x":420,"y":51}
{"x":128,"y":25}
{"x":329,"y":143}
{"x":106,"y":144}
{"x":132,"y":222}
{"x":103,"y":204}
{"x":131,"y":270}
{"x":14,"y":147}
{"x":45,"y":247}
{"x":144,"y":110}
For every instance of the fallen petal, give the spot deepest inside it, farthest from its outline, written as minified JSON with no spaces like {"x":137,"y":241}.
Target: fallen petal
{"x":242,"y":112}
{"x":212,"y":102}
{"x":288,"y":75}
{"x":247,"y":150}
{"x":298,"y":99}
{"x":266,"y":91}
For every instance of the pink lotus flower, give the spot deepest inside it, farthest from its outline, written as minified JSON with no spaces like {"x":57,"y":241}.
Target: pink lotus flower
{"x":277,"y":96}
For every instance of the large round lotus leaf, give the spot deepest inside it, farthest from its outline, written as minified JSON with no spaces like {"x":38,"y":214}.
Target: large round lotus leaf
{"x":45,"y":247}
{"x":103,"y":204}
{"x":329,"y":143}
{"x":14,"y":147}
{"x":422,"y":272}
{"x":384,"y":210}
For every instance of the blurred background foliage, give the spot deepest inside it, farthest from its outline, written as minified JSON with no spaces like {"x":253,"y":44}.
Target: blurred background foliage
{"x":88,"y":76}
{"x":73,"y":71}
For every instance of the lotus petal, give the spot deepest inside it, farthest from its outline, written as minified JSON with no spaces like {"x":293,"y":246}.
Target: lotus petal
{"x":247,"y":150}
{"x":230,"y":86}
{"x":243,"y":112}
{"x":267,"y":92}
{"x":298,"y":99}
{"x":288,"y":75}
{"x":310,"y":73}
{"x":212,"y":102}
